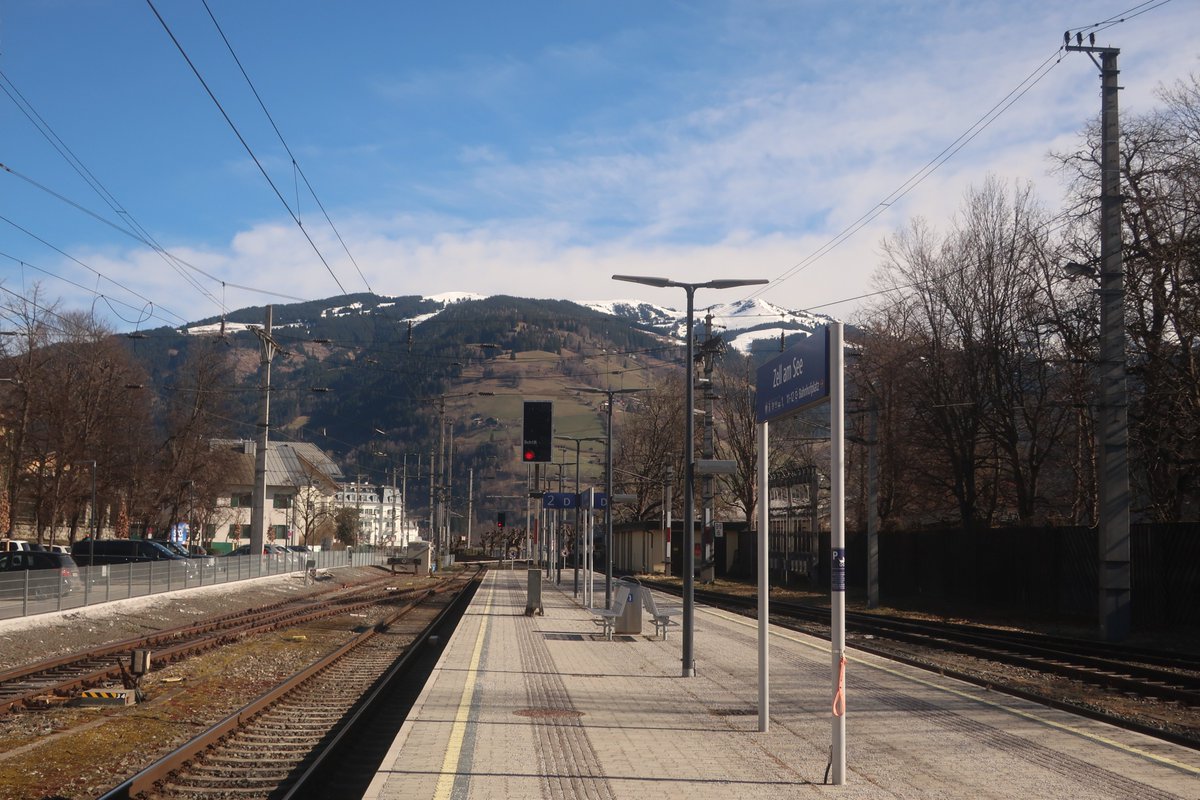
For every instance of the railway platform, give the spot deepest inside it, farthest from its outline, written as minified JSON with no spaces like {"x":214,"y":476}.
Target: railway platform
{"x":544,"y":707}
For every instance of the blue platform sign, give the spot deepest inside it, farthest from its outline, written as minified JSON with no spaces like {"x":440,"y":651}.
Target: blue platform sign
{"x":560,"y":500}
{"x":795,"y":379}
{"x":570,"y":500}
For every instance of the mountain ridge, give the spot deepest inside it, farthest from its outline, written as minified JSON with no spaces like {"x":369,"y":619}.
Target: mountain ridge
{"x":741,"y":323}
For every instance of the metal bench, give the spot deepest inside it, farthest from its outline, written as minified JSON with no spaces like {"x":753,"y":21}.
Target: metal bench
{"x":607,"y":617}
{"x":660,"y":617}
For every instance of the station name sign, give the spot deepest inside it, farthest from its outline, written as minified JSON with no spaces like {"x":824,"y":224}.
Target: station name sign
{"x":795,"y":379}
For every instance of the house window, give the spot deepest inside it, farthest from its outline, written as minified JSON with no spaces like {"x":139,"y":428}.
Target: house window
{"x":282,"y":501}
{"x":241,"y":500}
{"x":278,"y":532}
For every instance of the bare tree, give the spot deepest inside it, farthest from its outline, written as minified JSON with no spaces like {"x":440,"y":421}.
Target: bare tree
{"x":189,"y":473}
{"x":986,"y":403}
{"x":1160,"y":171}
{"x":32,"y":316}
{"x":645,"y":444}
{"x":738,"y":433}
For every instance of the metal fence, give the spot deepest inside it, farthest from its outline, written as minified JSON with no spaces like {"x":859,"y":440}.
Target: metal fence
{"x":28,"y":592}
{"x":1038,"y":572}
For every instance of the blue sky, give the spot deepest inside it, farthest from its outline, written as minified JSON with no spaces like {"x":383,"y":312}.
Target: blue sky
{"x":527,"y":148}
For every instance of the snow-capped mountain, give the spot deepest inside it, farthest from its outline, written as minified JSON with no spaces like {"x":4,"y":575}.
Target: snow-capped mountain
{"x":740,"y":323}
{"x":409,"y":308}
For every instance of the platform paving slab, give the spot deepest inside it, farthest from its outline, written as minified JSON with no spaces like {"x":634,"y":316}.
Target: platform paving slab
{"x":543,"y":707}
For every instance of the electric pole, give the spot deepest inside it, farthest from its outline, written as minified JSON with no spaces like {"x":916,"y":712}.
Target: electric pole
{"x":258,"y":501}
{"x":1112,"y":422}
{"x":470,"y":503}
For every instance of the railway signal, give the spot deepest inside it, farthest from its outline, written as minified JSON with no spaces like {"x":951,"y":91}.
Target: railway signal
{"x":537,"y":432}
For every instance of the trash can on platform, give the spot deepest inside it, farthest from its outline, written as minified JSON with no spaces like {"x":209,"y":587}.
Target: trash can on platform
{"x":533,"y":602}
{"x":630,"y":619}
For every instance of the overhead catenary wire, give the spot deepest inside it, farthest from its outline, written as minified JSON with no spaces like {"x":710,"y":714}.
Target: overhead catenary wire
{"x":295,"y":163}
{"x":948,"y":152}
{"x":98,"y":295}
{"x":246,"y":145}
{"x":918,"y":177}
{"x":139,"y":238}
{"x":56,"y":142}
{"x":96,"y":272}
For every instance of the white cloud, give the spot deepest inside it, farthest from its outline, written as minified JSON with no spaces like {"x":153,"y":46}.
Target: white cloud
{"x":744,"y":168}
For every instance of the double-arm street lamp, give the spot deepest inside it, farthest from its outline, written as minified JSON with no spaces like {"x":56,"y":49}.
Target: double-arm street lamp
{"x":689,"y":511}
{"x":608,"y":487}
{"x":578,"y":533}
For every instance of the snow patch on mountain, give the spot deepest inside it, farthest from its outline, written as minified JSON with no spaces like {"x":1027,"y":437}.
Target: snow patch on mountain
{"x":740,"y":323}
{"x":635,"y":311}
{"x":446,"y":298}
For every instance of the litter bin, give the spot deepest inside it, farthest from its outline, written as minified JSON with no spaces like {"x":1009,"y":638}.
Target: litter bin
{"x":630,"y":619}
{"x":533,"y":603}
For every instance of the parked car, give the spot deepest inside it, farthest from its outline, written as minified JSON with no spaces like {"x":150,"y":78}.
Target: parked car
{"x":9,"y":545}
{"x":268,"y":550}
{"x":60,"y":548}
{"x":195,"y":553}
{"x":49,"y":573}
{"x":121,"y":551}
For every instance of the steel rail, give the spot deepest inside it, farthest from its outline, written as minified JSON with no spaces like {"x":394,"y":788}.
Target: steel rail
{"x":146,"y":780}
{"x":188,"y":640}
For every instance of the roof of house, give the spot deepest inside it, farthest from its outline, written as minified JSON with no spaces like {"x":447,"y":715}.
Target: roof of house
{"x":296,"y":464}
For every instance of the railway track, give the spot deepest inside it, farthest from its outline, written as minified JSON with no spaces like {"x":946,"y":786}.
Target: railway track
{"x":51,"y":681}
{"x":1113,"y":671}
{"x":286,"y":743}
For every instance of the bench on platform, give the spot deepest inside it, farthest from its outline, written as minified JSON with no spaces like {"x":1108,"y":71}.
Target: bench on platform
{"x":660,"y":617}
{"x":607,"y":617}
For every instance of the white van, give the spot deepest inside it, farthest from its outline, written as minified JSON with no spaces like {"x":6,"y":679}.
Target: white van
{"x":8,"y":545}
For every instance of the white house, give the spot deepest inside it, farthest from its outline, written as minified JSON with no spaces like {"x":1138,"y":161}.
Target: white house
{"x":302,"y":482}
{"x":382,"y":517}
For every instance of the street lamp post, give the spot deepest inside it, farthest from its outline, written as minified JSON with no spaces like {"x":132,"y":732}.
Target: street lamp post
{"x":689,"y":466}
{"x":608,"y":489}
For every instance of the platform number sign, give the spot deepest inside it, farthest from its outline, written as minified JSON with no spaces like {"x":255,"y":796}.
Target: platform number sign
{"x":537,"y":433}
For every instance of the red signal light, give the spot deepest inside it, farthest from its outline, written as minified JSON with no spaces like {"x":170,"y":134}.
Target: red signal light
{"x":529,"y":454}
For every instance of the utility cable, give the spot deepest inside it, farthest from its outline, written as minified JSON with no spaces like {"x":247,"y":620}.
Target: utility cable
{"x":133,"y":235}
{"x":97,"y":294}
{"x":48,"y":133}
{"x":295,"y":164}
{"x":981,"y":124}
{"x":245,"y":145}
{"x":918,"y":177}
{"x":96,"y":272}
